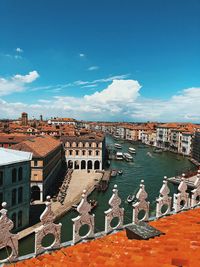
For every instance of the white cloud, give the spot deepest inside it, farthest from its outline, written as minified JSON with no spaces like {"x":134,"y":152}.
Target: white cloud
{"x":29,"y":78}
{"x":120,"y":100}
{"x":93,"y":68}
{"x":81,"y":55}
{"x":16,"y":83}
{"x":19,"y":50}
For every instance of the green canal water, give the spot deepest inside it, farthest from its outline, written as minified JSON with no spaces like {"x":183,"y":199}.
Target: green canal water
{"x":150,"y":169}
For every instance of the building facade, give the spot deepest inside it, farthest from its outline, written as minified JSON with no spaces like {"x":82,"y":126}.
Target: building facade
{"x":85,"y":152}
{"x":46,"y":164}
{"x":196,"y":147}
{"x":15,"y":174}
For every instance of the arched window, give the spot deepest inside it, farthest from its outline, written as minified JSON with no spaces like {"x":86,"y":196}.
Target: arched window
{"x":90,"y":152}
{"x":20,"y":194}
{"x":97,"y":145}
{"x":83,"y":152}
{"x":13,"y":218}
{"x":14,"y":196}
{"x":20,"y":218}
{"x":70,"y":152}
{"x":96,"y":165}
{"x":97,"y":152}
{"x":14,"y":175}
{"x":20,"y":173}
{"x":90,"y":144}
{"x":89,"y":165}
{"x":77,"y":152}
{"x":35,"y":193}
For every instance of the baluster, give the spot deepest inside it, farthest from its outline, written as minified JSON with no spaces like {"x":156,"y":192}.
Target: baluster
{"x":7,"y":239}
{"x":164,"y":200}
{"x":181,"y":200}
{"x":141,"y":204}
{"x":195,"y":199}
{"x":84,"y":218}
{"x":48,"y":227}
{"x":114,"y":212}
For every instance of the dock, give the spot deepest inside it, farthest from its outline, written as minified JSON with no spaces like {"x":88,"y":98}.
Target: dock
{"x":104,"y":182}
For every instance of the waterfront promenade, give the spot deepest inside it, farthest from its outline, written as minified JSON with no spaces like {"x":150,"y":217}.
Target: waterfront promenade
{"x":80,"y":180}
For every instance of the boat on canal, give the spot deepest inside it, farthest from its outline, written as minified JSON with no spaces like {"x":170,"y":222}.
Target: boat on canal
{"x":127,"y":157}
{"x":157,"y":150}
{"x":118,"y":146}
{"x":119,"y":156}
{"x":130,"y":198}
{"x":120,"y":172}
{"x":132,"y":150}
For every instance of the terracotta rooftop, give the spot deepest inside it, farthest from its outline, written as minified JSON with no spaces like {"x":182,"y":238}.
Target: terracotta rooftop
{"x":13,"y":138}
{"x":180,"y":246}
{"x":39,"y":146}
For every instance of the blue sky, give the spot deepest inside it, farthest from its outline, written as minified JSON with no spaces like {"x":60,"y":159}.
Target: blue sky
{"x":63,"y":51}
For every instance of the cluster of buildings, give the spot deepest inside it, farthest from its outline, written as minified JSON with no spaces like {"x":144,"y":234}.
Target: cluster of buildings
{"x":33,"y":153}
{"x":182,"y":138}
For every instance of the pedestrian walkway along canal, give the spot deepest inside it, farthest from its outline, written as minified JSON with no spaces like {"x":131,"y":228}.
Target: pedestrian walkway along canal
{"x":151,"y":167}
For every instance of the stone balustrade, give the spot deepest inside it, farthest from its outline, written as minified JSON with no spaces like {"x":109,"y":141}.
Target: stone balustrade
{"x":164,"y":206}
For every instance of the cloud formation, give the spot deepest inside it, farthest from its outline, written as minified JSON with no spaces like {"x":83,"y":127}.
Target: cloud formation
{"x":93,"y":68}
{"x":16,"y":83}
{"x":121,"y":100}
{"x":19,"y":50}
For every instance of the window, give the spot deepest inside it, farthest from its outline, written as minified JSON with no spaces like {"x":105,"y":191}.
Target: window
{"x":90,"y":152}
{"x":13,"y":218}
{"x":14,"y":194}
{"x":83,"y":152}
{"x":97,"y":152}
{"x":14,"y":176}
{"x":20,"y":194}
{"x":20,"y":218}
{"x":77,"y":152}
{"x":97,"y":145}
{"x":1,"y":178}
{"x":90,"y":145}
{"x":20,"y":174}
{"x":70,"y":152}
{"x":83,"y":144}
{"x":35,"y":163}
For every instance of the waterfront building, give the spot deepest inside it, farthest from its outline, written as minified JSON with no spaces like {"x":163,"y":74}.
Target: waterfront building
{"x":149,"y":138}
{"x":186,"y":143}
{"x":45,"y":165}
{"x":196,"y":146}
{"x":15,"y":185}
{"x":85,"y":152}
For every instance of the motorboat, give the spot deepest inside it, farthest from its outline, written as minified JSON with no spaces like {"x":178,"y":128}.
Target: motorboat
{"x":120,"y":172}
{"x":132,"y":150}
{"x":130,"y":198}
{"x":157,"y":150}
{"x":119,"y":156}
{"x":127,"y":157}
{"x":118,"y":146}
{"x":113,"y":173}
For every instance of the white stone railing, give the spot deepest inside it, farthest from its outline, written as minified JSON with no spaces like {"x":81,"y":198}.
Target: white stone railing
{"x":164,"y":206}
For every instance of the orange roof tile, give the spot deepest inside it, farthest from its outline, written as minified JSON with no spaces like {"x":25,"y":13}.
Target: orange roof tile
{"x":40,"y":146}
{"x":180,"y":246}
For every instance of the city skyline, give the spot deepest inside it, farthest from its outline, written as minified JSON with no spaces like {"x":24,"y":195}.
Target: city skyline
{"x":92,"y":60}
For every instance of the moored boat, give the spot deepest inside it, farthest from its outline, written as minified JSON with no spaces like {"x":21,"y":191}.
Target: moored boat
{"x":118,"y":146}
{"x":130,"y":198}
{"x":119,"y":156}
{"x":157,"y":150}
{"x":120,"y":172}
{"x":127,"y":157}
{"x":132,"y":150}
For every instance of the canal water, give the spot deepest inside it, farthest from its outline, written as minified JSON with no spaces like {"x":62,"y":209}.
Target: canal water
{"x":151,"y":167}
